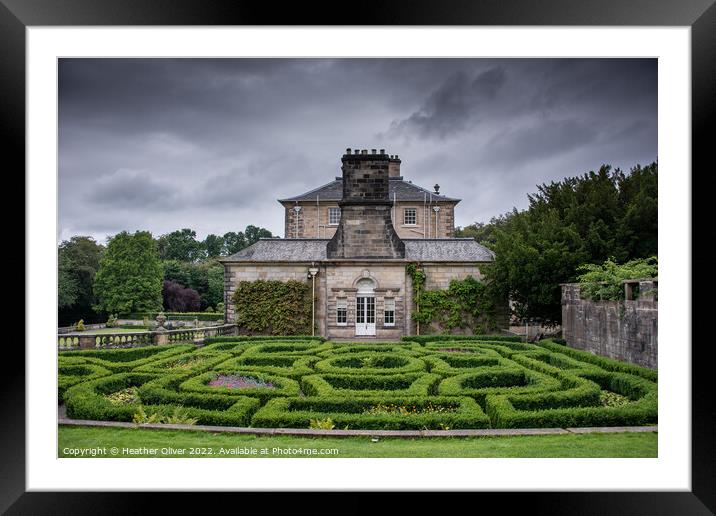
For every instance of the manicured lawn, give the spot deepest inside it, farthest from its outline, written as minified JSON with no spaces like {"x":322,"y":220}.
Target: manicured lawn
{"x":575,"y":445}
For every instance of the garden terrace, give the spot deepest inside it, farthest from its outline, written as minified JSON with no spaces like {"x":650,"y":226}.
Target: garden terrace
{"x":282,"y":382}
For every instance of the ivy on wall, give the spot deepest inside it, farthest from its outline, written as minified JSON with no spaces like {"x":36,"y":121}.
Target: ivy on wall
{"x":466,"y":305}
{"x":273,"y":307}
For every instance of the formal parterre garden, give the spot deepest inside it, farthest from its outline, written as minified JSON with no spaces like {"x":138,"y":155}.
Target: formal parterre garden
{"x":429,"y":382}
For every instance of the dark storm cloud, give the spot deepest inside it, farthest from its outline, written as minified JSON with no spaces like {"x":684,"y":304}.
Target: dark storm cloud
{"x":210,"y":144}
{"x":453,"y":105}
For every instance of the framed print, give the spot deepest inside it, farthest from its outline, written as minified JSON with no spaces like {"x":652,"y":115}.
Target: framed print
{"x":418,"y":250}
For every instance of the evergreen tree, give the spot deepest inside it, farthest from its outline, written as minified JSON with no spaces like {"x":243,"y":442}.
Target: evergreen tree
{"x":130,"y":275}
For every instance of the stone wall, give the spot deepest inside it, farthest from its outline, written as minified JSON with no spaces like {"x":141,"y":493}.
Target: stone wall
{"x":312,"y":220}
{"x":340,"y":282}
{"x":624,"y":330}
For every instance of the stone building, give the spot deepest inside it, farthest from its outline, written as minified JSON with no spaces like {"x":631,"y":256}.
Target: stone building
{"x":357,"y":234}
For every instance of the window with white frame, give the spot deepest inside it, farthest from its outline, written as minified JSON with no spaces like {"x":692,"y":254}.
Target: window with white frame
{"x":334,"y":216}
{"x":389,"y":311}
{"x":342,"y":312}
{"x":410,"y":216}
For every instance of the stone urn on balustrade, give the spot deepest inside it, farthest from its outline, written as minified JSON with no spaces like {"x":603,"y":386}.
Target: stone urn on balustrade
{"x":160,"y":335}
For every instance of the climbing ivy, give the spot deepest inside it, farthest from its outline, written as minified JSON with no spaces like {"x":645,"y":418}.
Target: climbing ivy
{"x":273,"y":307}
{"x":466,"y":305}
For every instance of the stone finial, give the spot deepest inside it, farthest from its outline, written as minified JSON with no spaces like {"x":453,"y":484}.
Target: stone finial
{"x":161,"y":319}
{"x":437,"y":188}
{"x":382,"y":151}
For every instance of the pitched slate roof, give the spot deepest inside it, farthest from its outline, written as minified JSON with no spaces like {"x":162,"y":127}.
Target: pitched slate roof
{"x":314,"y":250}
{"x":403,"y":191}
{"x":446,"y":250}
{"x":282,"y":250}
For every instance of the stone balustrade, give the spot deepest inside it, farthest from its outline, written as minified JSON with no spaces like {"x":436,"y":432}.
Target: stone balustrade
{"x":86,"y":340}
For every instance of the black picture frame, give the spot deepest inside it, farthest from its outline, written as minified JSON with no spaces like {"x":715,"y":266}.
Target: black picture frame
{"x":700,"y":15}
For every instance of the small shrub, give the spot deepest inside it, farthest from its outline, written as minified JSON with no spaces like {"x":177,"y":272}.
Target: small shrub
{"x":123,"y":397}
{"x":612,"y":399}
{"x":322,"y":424}
{"x":180,"y":417}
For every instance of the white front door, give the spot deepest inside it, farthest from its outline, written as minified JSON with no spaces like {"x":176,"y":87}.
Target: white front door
{"x":365,"y":315}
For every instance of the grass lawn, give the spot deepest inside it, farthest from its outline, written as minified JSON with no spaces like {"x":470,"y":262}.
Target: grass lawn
{"x":181,"y":442}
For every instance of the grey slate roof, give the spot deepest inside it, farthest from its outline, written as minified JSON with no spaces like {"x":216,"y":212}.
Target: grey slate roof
{"x":314,"y":249}
{"x":446,"y":250}
{"x":282,"y":250}
{"x":403,"y":191}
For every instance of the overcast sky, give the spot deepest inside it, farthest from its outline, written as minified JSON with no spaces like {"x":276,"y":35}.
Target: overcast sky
{"x":210,"y":144}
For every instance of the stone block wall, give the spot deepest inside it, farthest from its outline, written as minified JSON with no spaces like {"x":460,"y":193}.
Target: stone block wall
{"x":623,"y":330}
{"x":312,"y":220}
{"x":446,"y":221}
{"x":439,"y":275}
{"x":339,"y":282}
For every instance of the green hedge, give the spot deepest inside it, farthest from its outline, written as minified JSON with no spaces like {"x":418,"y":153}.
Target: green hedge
{"x":86,"y":401}
{"x":194,"y":362}
{"x":512,"y":384}
{"x":497,"y":380}
{"x":608,"y":364}
{"x":503,"y":414}
{"x":174,"y":316}
{"x":414,"y":384}
{"x":289,"y":348}
{"x":368,"y":363}
{"x":69,"y":374}
{"x":424,"y":339}
{"x":290,"y":366}
{"x":448,"y":364}
{"x":165,"y":391}
{"x":577,"y":404}
{"x":258,"y":338}
{"x":127,"y":359}
{"x":387,"y":347}
{"x":348,"y":413}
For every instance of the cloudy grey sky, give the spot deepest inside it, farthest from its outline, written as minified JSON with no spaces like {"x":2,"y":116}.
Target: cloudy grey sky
{"x":210,"y":144}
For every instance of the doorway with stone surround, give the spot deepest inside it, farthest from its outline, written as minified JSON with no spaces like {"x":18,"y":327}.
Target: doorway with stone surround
{"x":365,"y":308}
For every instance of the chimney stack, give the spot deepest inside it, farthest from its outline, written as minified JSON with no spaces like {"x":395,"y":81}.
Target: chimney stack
{"x":393,"y":166}
{"x":366,"y":229}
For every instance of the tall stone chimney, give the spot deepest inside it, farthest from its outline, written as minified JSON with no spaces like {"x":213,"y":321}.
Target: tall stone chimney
{"x":365,"y":229}
{"x":393,"y":166}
